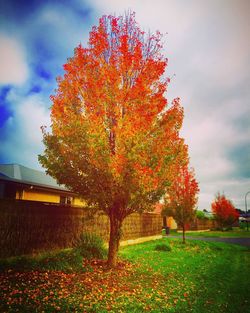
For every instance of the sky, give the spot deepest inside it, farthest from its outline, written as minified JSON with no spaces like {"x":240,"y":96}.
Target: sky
{"x":208,"y":48}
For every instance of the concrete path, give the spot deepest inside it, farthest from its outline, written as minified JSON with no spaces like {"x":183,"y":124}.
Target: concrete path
{"x":240,"y":241}
{"x":139,"y":240}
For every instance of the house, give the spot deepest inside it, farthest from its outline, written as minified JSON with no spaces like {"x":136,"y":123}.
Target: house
{"x":23,"y":183}
{"x":244,"y":218}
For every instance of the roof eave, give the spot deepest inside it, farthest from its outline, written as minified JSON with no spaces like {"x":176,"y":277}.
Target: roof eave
{"x":40,"y":186}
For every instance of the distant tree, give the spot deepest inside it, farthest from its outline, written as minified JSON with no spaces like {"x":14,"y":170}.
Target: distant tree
{"x":113,"y":139}
{"x":224,"y":211}
{"x":201,"y":215}
{"x":181,"y":198}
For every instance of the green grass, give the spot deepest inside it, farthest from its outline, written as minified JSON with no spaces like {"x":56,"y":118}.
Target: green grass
{"x":235,"y":233}
{"x":157,"y":276}
{"x":211,"y":274}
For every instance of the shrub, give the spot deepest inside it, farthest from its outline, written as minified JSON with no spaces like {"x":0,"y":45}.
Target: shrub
{"x":162,"y":247}
{"x":90,"y":246}
{"x":215,"y":229}
{"x":67,"y":260}
{"x":228,"y":228}
{"x":243,"y":225}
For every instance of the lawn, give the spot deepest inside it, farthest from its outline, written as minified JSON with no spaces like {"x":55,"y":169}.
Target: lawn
{"x":235,"y":233}
{"x":157,"y":276}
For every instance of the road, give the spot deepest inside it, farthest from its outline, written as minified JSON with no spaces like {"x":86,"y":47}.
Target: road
{"x":240,"y":241}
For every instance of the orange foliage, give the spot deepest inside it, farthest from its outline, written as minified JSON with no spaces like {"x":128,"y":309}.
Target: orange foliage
{"x":182,"y":197}
{"x":114,"y":139}
{"x":114,"y":90}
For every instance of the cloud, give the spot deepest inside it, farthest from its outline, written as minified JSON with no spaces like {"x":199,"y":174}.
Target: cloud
{"x":49,"y":32}
{"x":208,"y":49}
{"x":14,"y":69}
{"x":57,"y":30}
{"x":24,"y":140}
{"x":218,"y":139}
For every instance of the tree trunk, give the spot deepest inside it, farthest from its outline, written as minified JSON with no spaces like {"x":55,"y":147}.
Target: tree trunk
{"x":183,"y":234}
{"x":114,"y":240}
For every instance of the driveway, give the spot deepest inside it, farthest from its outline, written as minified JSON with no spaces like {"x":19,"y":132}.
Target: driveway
{"x":240,"y":241}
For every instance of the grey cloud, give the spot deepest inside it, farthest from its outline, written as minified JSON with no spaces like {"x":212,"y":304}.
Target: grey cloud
{"x":240,"y":155}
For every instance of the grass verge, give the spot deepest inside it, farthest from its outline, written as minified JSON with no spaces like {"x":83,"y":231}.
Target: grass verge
{"x":156,"y":276}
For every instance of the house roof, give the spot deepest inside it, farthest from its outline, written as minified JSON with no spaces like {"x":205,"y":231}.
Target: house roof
{"x":25,"y":175}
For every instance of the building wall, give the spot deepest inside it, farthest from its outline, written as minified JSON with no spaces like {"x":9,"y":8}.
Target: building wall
{"x":46,"y":196}
{"x":9,"y":190}
{"x":171,"y":223}
{"x":35,"y":195}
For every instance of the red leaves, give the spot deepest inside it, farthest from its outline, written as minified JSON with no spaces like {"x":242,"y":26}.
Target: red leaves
{"x":182,"y":196}
{"x":114,"y":24}
{"x":185,"y":188}
{"x":224,"y":210}
{"x":124,"y":44}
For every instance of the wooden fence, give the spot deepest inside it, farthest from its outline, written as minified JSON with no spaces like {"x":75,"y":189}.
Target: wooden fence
{"x":30,"y":226}
{"x":202,"y":224}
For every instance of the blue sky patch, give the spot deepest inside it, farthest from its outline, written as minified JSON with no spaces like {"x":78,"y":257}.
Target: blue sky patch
{"x":41,"y":72}
{"x":4,"y":115}
{"x":35,"y":89}
{"x":3,"y":93}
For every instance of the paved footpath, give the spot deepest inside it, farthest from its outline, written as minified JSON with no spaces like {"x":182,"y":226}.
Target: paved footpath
{"x":240,"y":241}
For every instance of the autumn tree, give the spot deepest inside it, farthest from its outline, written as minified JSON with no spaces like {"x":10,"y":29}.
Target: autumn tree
{"x":114,"y":139}
{"x":181,"y":198}
{"x":224,"y":211}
